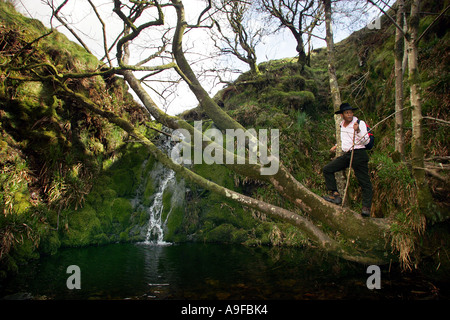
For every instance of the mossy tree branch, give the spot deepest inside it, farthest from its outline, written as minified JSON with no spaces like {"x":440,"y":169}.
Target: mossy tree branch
{"x":344,"y":220}
{"x":314,"y":233}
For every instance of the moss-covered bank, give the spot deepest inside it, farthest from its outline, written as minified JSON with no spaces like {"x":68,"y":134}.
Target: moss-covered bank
{"x":66,"y":175}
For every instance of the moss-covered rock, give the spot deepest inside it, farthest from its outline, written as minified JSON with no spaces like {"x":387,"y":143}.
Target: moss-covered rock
{"x":60,"y":168}
{"x":82,"y":226}
{"x":121,"y":211}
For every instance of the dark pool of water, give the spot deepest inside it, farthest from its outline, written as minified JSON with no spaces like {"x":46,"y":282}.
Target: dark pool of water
{"x":207,"y":271}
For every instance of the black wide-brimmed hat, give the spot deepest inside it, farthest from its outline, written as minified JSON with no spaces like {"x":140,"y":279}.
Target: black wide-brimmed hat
{"x":345,"y":106}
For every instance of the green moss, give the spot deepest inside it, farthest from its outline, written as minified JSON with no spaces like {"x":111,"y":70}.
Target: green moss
{"x":121,"y":211}
{"x":21,"y":202}
{"x":83,"y":225}
{"x":167,"y":204}
{"x":69,"y":55}
{"x":293,"y":99}
{"x":223,"y":234}
{"x":217,"y":173}
{"x":108,"y":194}
{"x":30,"y":93}
{"x":123,"y":182}
{"x":50,"y":243}
{"x":174,"y":230}
{"x":11,"y":17}
{"x":45,"y":135}
{"x":142,"y":217}
{"x":26,"y":251}
{"x":101,"y":239}
{"x":293,"y":83}
{"x":148,"y":191}
{"x":94,"y":198}
{"x":123,"y":237}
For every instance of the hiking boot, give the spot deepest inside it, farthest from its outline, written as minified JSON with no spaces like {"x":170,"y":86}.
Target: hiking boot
{"x":365,"y":212}
{"x":333,"y":197}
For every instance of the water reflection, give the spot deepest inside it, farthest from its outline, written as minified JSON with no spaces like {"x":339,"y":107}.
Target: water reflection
{"x":204,"y":271}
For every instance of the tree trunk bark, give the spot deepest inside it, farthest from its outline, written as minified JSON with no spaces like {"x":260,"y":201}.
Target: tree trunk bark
{"x":301,"y":51}
{"x":399,"y":136}
{"x":345,"y":221}
{"x":369,"y":235}
{"x":418,"y":167}
{"x":221,"y":118}
{"x":334,"y":89}
{"x":315,"y":234}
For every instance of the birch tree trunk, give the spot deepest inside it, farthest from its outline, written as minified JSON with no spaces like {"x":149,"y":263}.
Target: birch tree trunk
{"x":374,"y":230}
{"x":334,"y":87}
{"x":399,"y":137}
{"x":418,"y":166}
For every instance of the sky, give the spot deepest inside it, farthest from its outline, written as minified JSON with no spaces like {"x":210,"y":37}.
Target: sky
{"x":81,"y":16}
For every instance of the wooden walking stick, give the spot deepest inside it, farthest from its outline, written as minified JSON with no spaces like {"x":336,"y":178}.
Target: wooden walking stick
{"x":349,"y":170}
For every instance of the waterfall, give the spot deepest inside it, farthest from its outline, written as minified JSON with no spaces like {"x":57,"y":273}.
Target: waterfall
{"x":161,"y":178}
{"x":155,"y":231}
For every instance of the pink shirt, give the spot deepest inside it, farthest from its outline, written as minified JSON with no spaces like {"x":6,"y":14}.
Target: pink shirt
{"x":361,"y":138}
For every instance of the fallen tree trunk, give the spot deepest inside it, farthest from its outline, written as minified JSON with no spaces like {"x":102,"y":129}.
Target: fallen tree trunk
{"x":367,"y":233}
{"x":370,"y":249}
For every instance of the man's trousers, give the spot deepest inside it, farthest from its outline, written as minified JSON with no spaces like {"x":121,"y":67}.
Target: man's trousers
{"x":360,"y":166}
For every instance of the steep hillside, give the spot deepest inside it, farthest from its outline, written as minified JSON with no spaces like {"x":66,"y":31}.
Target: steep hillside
{"x":53,"y":153}
{"x":70,"y":178}
{"x":299,"y":105}
{"x":365,"y":69}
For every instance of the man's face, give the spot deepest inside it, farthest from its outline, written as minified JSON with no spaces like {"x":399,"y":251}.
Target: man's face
{"x":347,"y":115}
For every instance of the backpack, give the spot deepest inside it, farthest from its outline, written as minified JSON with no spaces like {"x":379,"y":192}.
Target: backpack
{"x":371,"y":137}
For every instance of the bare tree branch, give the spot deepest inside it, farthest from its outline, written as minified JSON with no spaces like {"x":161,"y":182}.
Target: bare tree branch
{"x":105,"y":42}
{"x":129,"y":21}
{"x":244,"y":39}
{"x":55,"y":13}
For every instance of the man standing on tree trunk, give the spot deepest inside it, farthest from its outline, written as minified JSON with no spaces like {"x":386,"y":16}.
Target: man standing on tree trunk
{"x":354,"y":137}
